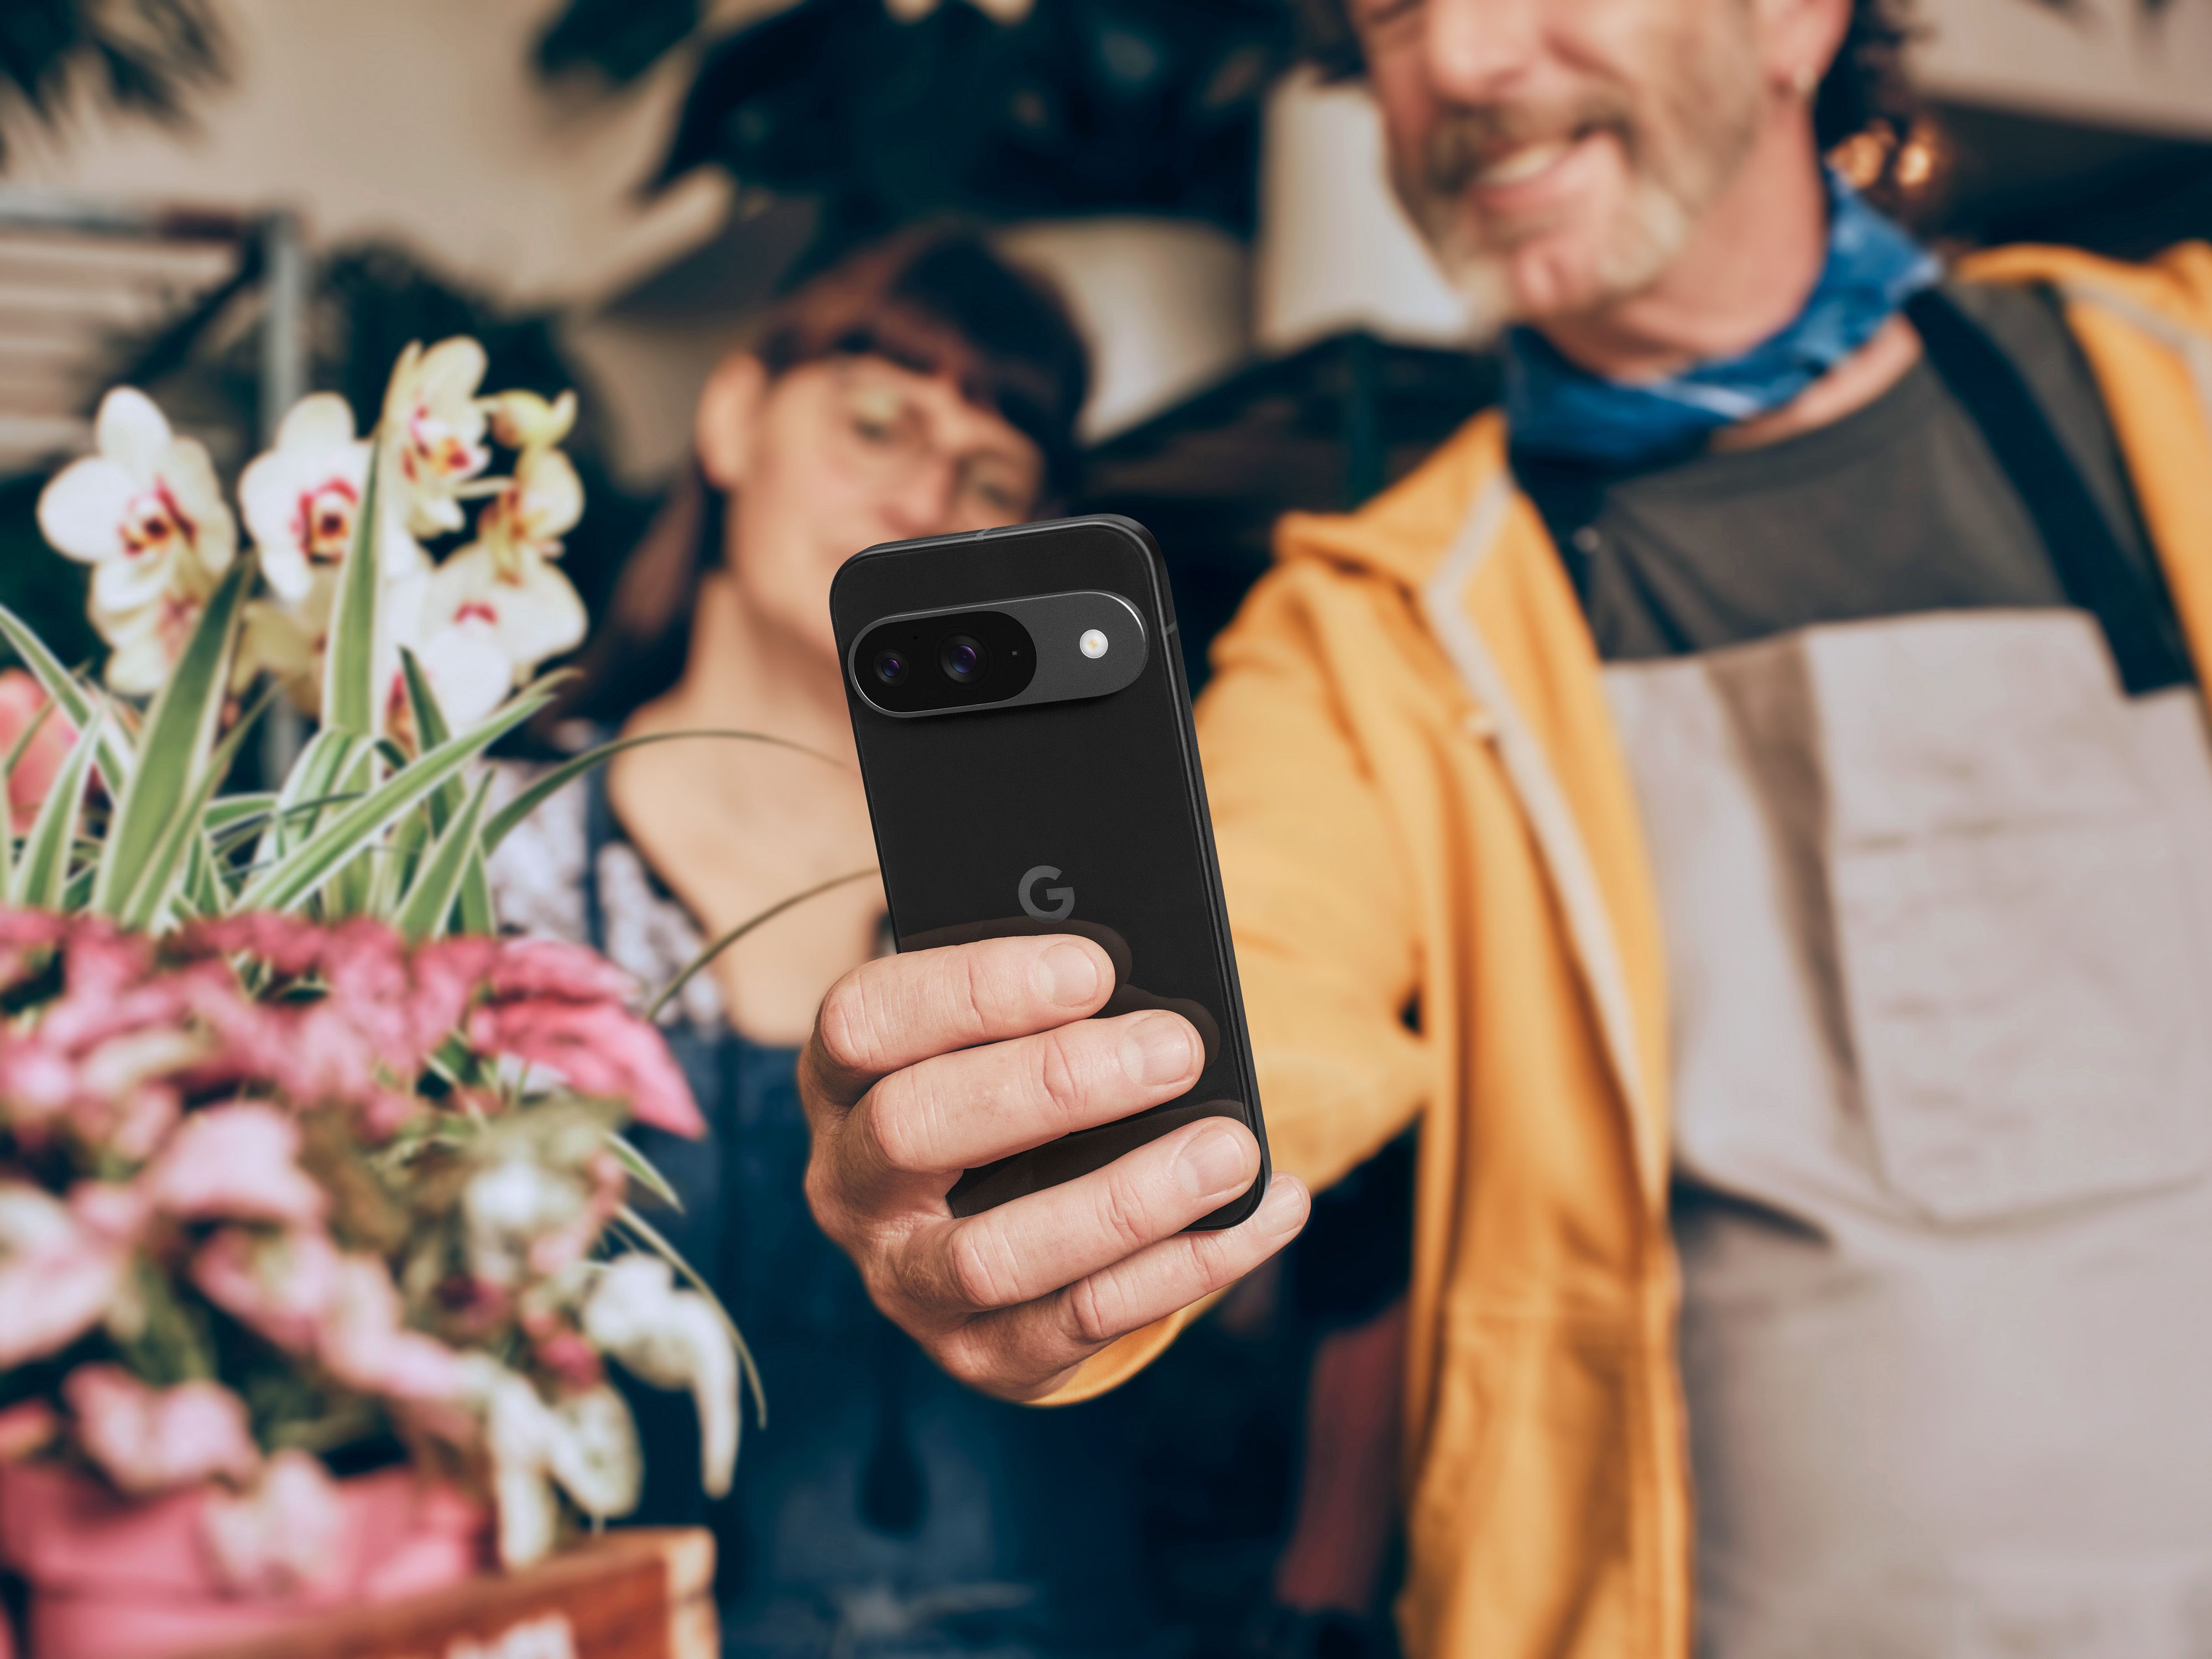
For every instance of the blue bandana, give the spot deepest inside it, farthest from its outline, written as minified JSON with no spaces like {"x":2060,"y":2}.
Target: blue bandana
{"x":1556,"y":410}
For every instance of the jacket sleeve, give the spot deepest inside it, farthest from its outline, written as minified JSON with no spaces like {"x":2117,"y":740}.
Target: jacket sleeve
{"x":1320,"y":903}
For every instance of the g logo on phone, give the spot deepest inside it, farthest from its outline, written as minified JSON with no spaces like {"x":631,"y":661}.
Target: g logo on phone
{"x":1063,"y":898}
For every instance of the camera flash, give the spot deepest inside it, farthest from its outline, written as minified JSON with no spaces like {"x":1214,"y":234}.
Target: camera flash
{"x":1093,"y":642}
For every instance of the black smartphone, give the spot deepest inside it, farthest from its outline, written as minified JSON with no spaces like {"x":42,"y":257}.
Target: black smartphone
{"x":1023,"y":724}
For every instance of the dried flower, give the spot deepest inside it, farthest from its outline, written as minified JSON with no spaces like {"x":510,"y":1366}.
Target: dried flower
{"x":672,"y":1339}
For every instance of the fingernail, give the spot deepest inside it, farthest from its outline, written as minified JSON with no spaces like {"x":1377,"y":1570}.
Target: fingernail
{"x":1284,"y":1209}
{"x":1214,"y":1161}
{"x":1069,"y":975}
{"x":1156,"y":1050}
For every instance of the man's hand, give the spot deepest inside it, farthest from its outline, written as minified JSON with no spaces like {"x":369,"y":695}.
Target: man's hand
{"x":923,"y":1066}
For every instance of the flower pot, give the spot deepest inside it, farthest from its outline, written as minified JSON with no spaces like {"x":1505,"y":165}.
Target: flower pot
{"x":111,"y":1577}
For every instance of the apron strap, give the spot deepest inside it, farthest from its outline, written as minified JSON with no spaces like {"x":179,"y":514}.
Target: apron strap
{"x":2098,"y":573}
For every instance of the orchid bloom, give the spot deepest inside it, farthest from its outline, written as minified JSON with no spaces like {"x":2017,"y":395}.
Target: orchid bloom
{"x":301,"y":498}
{"x":238,"y":1162}
{"x":284,"y":1533}
{"x":145,"y":513}
{"x":587,"y":1442}
{"x":151,"y":1440}
{"x":534,"y":509}
{"x":23,"y":700}
{"x":435,"y":428}
{"x":531,"y":608}
{"x":672,"y":1339}
{"x":525,"y":420}
{"x":60,"y":1272}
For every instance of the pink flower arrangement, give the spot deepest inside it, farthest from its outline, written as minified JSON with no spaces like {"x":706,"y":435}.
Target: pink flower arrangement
{"x":368,"y":1187}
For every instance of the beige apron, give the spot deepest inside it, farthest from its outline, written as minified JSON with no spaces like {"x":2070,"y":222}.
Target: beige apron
{"x":1938,"y":907}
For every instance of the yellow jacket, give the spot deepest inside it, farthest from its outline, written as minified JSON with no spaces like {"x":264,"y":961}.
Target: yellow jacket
{"x":1442,"y":906}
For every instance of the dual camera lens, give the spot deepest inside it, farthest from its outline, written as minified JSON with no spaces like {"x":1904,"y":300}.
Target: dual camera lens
{"x":949,"y":660}
{"x":961,"y":657}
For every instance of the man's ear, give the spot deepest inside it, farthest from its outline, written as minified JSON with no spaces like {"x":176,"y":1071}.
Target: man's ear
{"x":1798,"y":39}
{"x":728,"y":419}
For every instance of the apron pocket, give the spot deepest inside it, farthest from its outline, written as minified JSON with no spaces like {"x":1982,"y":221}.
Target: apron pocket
{"x":2024,"y":1006}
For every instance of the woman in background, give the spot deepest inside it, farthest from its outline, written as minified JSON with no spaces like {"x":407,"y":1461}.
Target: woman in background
{"x":920,"y":388}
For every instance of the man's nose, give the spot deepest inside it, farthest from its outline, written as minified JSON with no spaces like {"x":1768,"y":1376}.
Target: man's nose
{"x":1477,"y":50}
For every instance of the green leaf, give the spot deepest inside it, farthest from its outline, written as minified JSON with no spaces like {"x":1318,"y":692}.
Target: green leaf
{"x":430,"y":731}
{"x":156,"y":892}
{"x":529,"y":800}
{"x":430,"y":901}
{"x":312,"y":782}
{"x":173,"y":753}
{"x":642,"y":1169}
{"x":301,"y":872}
{"x":42,"y":876}
{"x":23,"y":741}
{"x":477,"y":913}
{"x":692,"y":968}
{"x":350,"y":697}
{"x":115,"y":757}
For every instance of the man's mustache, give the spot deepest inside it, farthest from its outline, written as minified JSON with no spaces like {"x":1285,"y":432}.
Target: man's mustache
{"x":1470,"y":139}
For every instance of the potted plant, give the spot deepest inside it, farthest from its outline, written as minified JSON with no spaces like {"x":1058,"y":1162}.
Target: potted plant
{"x":317,"y":1224}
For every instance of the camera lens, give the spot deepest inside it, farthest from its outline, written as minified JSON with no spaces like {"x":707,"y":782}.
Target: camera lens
{"x":890,"y":666}
{"x":962,"y":658}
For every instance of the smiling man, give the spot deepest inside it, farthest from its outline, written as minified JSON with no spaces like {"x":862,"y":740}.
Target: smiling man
{"x":1750,"y":800}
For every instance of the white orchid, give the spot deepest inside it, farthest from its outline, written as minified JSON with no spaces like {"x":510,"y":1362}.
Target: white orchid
{"x":523,"y":420}
{"x":479,"y":630}
{"x":147,"y":503}
{"x":672,"y":1339}
{"x":434,"y":425}
{"x":586,"y":1442}
{"x":147,"y":514}
{"x":301,"y":498}
{"x":536,"y":508}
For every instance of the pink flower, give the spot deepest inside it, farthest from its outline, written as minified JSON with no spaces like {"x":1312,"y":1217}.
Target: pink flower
{"x":239,"y":1162}
{"x":363,"y":1344}
{"x":27,"y":1428}
{"x":150,"y":1440}
{"x":59,"y":1270}
{"x":26,"y":936}
{"x":279,"y":1286}
{"x":282,"y":1535}
{"x":601,"y":1049}
{"x":21,"y":701}
{"x":555,"y":967}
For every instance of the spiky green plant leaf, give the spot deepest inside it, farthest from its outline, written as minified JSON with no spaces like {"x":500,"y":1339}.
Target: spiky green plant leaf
{"x":691,"y":968}
{"x":115,"y":753}
{"x":157,"y":891}
{"x":429,"y":902}
{"x":558,"y":778}
{"x":42,"y":876}
{"x":642,"y":1169}
{"x":349,"y":700}
{"x":300,"y":872}
{"x":174,"y":753}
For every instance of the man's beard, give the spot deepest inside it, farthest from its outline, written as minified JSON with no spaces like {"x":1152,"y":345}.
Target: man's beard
{"x":1679,"y":156}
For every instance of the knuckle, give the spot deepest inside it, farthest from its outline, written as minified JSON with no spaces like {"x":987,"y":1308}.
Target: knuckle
{"x":1123,"y":1212}
{"x":1092,"y":1307}
{"x":843,"y":1028}
{"x":981,"y":1268}
{"x":1060,"y":1076}
{"x":887,"y":1119}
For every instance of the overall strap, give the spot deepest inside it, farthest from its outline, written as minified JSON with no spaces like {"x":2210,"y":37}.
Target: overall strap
{"x":2098,"y":573}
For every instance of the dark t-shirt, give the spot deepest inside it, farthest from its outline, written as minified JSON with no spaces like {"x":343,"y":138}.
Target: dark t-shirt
{"x":1899,"y":507}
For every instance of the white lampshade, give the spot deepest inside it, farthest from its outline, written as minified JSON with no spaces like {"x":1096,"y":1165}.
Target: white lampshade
{"x":1335,"y":251}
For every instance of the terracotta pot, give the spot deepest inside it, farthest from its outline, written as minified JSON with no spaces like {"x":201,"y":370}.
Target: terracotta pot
{"x":114,"y":1579}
